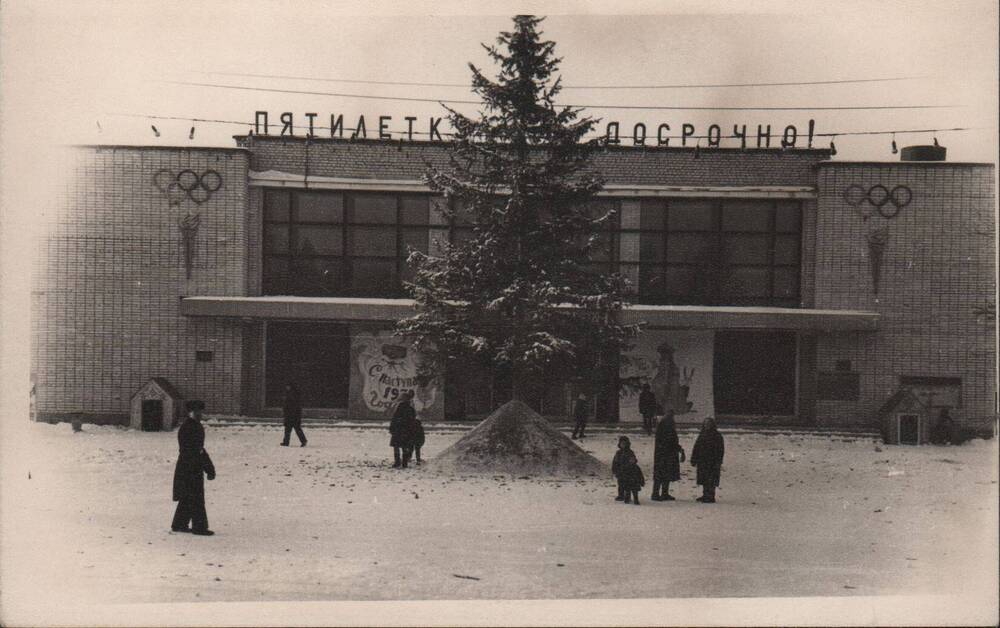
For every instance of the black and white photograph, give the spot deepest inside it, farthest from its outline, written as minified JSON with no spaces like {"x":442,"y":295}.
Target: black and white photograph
{"x":499,"y":314}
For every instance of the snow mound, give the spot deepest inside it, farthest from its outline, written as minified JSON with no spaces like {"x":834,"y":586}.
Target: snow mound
{"x":517,"y":440}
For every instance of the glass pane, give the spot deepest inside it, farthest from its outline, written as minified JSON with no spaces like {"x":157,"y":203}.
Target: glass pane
{"x":415,"y":239}
{"x":651,"y":282}
{"x":786,"y":283}
{"x":320,"y":207}
{"x":276,"y":276}
{"x":316,"y":240}
{"x":746,"y":249}
{"x":788,"y":218}
{"x":651,"y":214}
{"x":685,"y":281}
{"x":746,"y":215}
{"x":276,"y":205}
{"x":378,"y":241}
{"x":275,"y":239}
{"x":786,"y":249}
{"x":416,"y":210}
{"x":691,"y":248}
{"x":317,"y":276}
{"x":651,"y":247}
{"x":691,"y":215}
{"x":374,"y":276}
{"x":376,"y":208}
{"x":745,"y":282}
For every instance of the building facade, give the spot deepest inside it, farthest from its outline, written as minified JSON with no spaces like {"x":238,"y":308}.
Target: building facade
{"x":775,"y":286}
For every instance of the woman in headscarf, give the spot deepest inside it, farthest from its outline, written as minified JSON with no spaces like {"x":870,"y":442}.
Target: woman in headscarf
{"x":666,"y":467}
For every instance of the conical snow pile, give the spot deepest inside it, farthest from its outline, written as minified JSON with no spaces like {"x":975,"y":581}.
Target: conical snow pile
{"x":516,"y":439}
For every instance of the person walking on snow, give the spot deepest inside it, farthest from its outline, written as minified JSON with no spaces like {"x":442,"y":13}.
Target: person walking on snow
{"x":666,"y":467}
{"x":401,"y":430}
{"x":292,"y":411}
{"x":647,"y":408}
{"x":189,"y":485}
{"x":580,"y":416}
{"x":625,"y":467}
{"x":707,"y":458}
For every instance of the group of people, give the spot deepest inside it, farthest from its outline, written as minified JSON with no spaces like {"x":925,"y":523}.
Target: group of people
{"x":407,"y":437}
{"x":668,"y":455}
{"x":406,"y":432}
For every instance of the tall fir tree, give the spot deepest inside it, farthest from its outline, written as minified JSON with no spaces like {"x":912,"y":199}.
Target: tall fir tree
{"x":521,"y":294}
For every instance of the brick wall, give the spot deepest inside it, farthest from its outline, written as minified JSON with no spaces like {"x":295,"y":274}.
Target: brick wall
{"x":937,"y":273}
{"x":111,"y":272}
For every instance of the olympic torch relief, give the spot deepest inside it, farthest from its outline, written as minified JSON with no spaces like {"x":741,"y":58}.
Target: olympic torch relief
{"x":389,"y":369}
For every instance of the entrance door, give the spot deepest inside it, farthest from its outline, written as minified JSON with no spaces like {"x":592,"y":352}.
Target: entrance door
{"x":755,"y":373}
{"x":316,"y":356}
{"x":909,"y":429}
{"x":152,"y":415}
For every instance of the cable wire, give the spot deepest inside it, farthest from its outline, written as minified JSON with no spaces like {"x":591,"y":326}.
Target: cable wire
{"x":581,"y":106}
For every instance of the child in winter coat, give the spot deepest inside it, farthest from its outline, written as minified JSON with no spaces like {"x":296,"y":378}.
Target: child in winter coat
{"x":626,"y":469}
{"x":707,"y":458}
{"x":418,"y":438}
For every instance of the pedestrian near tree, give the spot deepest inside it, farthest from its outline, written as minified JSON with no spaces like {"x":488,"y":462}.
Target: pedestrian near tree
{"x":625,"y":467}
{"x":580,"y":417}
{"x":666,"y":466}
{"x":647,"y":408}
{"x":189,"y":484}
{"x":401,"y":430}
{"x":292,"y":410}
{"x":706,"y":456}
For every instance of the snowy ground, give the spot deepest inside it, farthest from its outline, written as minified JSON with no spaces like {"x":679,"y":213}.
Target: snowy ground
{"x":797,"y":516}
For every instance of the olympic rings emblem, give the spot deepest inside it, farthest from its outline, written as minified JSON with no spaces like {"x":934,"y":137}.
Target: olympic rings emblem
{"x":197,"y":187}
{"x":879,"y":197}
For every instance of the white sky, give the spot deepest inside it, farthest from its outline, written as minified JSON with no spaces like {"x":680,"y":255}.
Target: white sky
{"x":68,"y":65}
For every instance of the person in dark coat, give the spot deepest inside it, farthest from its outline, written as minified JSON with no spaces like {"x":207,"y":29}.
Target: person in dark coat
{"x":189,"y":483}
{"x":418,"y":438}
{"x":292,"y":411}
{"x":647,"y":408}
{"x":625,"y":467}
{"x":666,"y":467}
{"x":707,"y":458}
{"x":401,"y":431}
{"x":580,"y":417}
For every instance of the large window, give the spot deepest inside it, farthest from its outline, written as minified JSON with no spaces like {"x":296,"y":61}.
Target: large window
{"x":719,"y":252}
{"x":340,"y":244}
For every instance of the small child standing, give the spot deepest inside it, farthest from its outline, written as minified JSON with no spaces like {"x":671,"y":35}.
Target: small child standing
{"x":706,"y":456}
{"x":418,"y":439}
{"x":626,"y":469}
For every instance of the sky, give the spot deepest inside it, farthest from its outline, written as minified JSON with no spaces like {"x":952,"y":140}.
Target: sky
{"x":69,"y":68}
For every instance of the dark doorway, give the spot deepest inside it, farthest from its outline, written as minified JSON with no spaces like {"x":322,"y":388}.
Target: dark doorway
{"x":755,"y":373}
{"x":316,"y":356}
{"x":909,"y":429}
{"x":152,"y":415}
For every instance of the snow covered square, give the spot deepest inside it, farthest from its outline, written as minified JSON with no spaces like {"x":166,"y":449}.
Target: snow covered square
{"x":798,"y":515}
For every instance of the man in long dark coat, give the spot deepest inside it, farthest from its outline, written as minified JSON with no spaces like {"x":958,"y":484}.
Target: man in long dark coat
{"x":647,"y":408}
{"x":292,"y":410}
{"x":666,"y":467}
{"x":707,"y":457}
{"x":189,"y":483}
{"x":401,"y":430}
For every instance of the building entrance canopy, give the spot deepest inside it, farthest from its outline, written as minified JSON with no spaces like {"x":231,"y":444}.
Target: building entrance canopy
{"x":656,"y":316}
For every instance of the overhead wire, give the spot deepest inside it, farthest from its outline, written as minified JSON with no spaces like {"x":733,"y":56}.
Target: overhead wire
{"x":574,"y":105}
{"x":571,"y":87}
